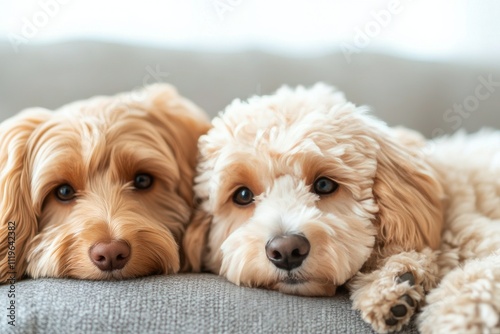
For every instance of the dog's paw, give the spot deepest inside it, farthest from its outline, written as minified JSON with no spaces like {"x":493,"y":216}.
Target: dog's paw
{"x":389,"y":303}
{"x":405,"y":305}
{"x":389,"y":296}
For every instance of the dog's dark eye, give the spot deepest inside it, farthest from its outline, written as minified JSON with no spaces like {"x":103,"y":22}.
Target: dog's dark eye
{"x":243,"y":196}
{"x":143,"y":181}
{"x":325,"y":186}
{"x":65,"y":193}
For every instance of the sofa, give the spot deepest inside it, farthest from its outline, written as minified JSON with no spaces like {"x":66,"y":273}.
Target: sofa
{"x":432,"y":97}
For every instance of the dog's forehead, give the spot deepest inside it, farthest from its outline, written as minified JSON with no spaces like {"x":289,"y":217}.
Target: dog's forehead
{"x":88,"y":135}
{"x":268,"y":161}
{"x":274,"y":133}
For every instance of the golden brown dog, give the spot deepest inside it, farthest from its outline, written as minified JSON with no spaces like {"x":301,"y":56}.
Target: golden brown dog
{"x":99,"y":189}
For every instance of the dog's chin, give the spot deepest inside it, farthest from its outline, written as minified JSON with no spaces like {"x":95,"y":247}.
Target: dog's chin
{"x":115,"y":275}
{"x":304,"y":287}
{"x":84,"y":269}
{"x":292,"y":284}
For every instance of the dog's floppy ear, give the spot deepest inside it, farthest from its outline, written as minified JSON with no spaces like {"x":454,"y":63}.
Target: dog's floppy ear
{"x":181,"y":123}
{"x":195,"y":240}
{"x":408,"y":194}
{"x":18,"y":224}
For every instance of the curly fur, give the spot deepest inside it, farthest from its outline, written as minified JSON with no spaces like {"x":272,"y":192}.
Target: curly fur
{"x":97,"y":146}
{"x":468,"y":297}
{"x":379,"y":233}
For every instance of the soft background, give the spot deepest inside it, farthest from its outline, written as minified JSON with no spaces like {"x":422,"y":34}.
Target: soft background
{"x":412,"y":66}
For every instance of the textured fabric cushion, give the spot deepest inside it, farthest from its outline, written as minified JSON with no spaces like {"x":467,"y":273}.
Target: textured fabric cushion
{"x":185,"y":303}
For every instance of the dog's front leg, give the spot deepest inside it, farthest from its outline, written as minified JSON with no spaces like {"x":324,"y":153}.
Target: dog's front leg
{"x":388,"y":296}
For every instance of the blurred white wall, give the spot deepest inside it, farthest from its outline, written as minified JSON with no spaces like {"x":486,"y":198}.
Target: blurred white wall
{"x":427,"y":29}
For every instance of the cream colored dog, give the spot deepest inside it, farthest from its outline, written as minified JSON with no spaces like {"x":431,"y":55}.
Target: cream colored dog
{"x":302,"y":192}
{"x":99,"y":189}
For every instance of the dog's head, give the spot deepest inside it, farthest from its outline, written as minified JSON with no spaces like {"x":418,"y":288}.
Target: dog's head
{"x":300,"y":189}
{"x":99,"y":189}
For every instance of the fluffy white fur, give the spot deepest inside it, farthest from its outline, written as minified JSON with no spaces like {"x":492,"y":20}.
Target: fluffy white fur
{"x":98,"y":147}
{"x":468,"y":297}
{"x":379,"y":232}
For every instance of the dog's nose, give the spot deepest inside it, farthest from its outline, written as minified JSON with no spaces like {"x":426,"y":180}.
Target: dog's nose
{"x":109,"y":256}
{"x":288,"y":251}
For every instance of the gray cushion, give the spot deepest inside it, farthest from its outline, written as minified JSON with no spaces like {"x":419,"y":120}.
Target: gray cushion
{"x":184,"y":303}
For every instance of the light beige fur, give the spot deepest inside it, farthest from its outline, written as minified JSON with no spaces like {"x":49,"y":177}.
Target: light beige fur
{"x":98,"y":146}
{"x":383,"y":221}
{"x":468,"y":297}
{"x":379,"y":233}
